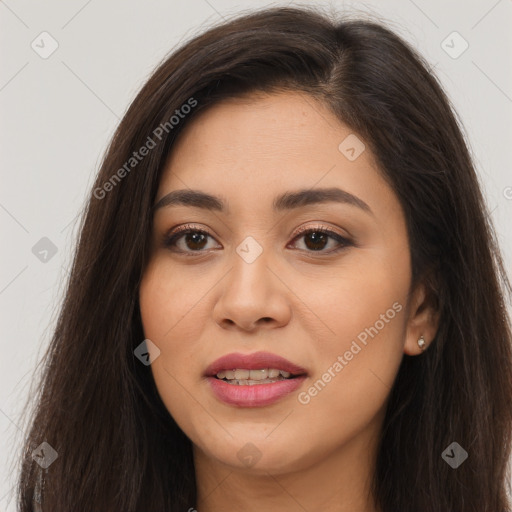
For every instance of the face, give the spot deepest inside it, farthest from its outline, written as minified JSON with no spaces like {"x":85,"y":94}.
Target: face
{"x":321,"y":281}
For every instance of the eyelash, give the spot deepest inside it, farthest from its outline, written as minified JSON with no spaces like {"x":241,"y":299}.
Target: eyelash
{"x":171,"y":239}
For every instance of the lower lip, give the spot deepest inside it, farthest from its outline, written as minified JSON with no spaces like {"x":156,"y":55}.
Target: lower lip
{"x":257,"y":395}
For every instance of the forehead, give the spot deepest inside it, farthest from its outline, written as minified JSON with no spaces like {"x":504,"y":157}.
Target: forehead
{"x":251,"y":149}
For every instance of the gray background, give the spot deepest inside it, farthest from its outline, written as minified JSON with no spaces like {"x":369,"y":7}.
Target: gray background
{"x":59,"y":113}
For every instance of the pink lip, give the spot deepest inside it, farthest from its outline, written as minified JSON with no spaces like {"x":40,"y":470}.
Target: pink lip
{"x":253,"y":361}
{"x":257,"y":395}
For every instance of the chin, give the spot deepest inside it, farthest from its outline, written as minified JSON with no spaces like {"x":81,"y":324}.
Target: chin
{"x":257,"y":455}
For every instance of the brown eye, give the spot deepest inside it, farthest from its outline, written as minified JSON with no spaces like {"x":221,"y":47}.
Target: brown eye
{"x":187,"y":240}
{"x":317,"y":238}
{"x":195,"y":240}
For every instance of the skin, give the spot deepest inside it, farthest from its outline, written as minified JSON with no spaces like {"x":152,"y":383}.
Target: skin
{"x":305,"y":305}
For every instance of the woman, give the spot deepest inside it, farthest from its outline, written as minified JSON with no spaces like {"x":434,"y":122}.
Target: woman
{"x":287,"y":293}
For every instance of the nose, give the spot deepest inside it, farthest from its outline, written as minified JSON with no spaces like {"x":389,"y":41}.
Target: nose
{"x":252,"y":296}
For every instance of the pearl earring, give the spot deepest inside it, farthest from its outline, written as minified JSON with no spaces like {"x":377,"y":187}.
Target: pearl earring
{"x":421,"y":343}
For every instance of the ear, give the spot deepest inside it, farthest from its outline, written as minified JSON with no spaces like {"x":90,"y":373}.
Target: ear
{"x":423,"y":319}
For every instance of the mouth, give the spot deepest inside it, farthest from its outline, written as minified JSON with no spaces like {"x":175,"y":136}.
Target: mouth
{"x":253,"y":380}
{"x":256,"y":368}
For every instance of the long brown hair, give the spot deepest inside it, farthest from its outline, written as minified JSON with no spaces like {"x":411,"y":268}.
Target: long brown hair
{"x":97,"y":406}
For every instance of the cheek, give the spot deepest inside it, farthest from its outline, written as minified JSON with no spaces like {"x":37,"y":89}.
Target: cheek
{"x":169,"y":312}
{"x":168,"y":303}
{"x":363,"y":302}
{"x":355,"y":373}
{"x":359,"y":359}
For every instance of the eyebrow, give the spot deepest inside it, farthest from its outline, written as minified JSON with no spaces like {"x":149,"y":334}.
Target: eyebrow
{"x":286,"y":201}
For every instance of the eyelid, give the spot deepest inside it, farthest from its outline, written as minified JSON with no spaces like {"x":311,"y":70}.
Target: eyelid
{"x":318,"y":227}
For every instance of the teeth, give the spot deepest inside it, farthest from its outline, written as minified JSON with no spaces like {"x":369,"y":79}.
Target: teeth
{"x":258,"y":374}
{"x":247,"y":382}
{"x":241,"y":374}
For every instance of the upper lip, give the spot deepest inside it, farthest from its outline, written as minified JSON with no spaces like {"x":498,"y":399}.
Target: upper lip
{"x":253,"y":361}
